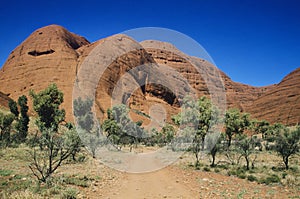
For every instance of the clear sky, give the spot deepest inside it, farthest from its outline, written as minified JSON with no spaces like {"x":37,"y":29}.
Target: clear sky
{"x":254,"y":42}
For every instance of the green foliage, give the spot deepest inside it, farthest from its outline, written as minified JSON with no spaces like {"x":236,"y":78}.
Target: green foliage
{"x":23,"y":121}
{"x":288,"y":144}
{"x":246,"y":147}
{"x":270,"y":179}
{"x":87,"y":128}
{"x":5,"y":172}
{"x":5,"y":128}
{"x":166,"y":135}
{"x":273,"y":131}
{"x":207,"y":169}
{"x":197,"y":118}
{"x":21,"y":117}
{"x":70,"y":193}
{"x":13,"y":107}
{"x":236,"y":123}
{"x":83,"y":113}
{"x":214,"y":145}
{"x":78,"y":181}
{"x":72,"y":139}
{"x":251,"y":178}
{"x":119,"y":128}
{"x":261,"y":127}
{"x":46,"y":104}
{"x":54,"y":146}
{"x":53,"y":150}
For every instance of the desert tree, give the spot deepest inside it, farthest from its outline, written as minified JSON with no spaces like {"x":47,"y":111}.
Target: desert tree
{"x":46,"y":104}
{"x":21,"y":117}
{"x":13,"y":107}
{"x":166,"y":135}
{"x":274,"y":130}
{"x":73,"y":139}
{"x":246,"y":148}
{"x":287,"y":144}
{"x":56,"y":143}
{"x":120,"y":129}
{"x":87,"y":127}
{"x":197,"y":119}
{"x":23,"y":121}
{"x":235,"y":123}
{"x":214,"y":142}
{"x":6,"y":121}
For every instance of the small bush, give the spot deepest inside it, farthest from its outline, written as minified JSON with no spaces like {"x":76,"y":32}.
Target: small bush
{"x":70,"y":193}
{"x":277,"y":169}
{"x":223,"y":166}
{"x":284,"y":175}
{"x":81,"y":158}
{"x":231,"y":173}
{"x":242,"y":175}
{"x":5,"y":172}
{"x":78,"y":181}
{"x":294,"y":169}
{"x":207,"y":169}
{"x":251,"y":178}
{"x":217,"y":170}
{"x":270,"y":179}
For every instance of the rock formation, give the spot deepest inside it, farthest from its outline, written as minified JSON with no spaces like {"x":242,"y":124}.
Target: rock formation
{"x":53,"y":54}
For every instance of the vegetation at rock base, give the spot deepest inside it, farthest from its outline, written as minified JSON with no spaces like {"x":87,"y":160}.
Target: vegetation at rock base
{"x":249,"y":149}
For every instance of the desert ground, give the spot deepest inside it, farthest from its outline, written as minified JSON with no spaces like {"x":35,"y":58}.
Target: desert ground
{"x":91,"y":179}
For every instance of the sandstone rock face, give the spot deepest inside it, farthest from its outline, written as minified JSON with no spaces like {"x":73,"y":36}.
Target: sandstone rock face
{"x":280,"y":102}
{"x":48,"y":55}
{"x":4,"y":101}
{"x":158,"y":72}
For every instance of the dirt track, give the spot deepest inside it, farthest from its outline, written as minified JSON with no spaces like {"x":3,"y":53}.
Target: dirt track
{"x":175,"y":182}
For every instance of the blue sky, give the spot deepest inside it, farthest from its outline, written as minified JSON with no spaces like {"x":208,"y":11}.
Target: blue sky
{"x":254,"y":42}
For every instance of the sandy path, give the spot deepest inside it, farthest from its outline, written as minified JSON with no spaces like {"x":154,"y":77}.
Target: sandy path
{"x":158,"y":184}
{"x":175,"y":181}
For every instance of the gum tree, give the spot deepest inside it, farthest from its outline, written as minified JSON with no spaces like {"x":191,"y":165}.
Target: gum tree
{"x":288,"y":144}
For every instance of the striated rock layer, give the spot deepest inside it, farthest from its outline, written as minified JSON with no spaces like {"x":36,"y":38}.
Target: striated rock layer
{"x":53,"y":54}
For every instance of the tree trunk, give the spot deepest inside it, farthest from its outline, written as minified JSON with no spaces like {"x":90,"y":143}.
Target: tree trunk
{"x":247,"y":162}
{"x":202,"y":143}
{"x":229,"y":142}
{"x":213,"y":160}
{"x":286,"y":162}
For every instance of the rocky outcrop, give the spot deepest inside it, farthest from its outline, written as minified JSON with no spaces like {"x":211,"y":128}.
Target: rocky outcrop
{"x":160,"y":74}
{"x":280,"y":102}
{"x":48,"y":55}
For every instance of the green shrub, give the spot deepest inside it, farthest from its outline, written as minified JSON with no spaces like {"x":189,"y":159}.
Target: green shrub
{"x":70,"y":193}
{"x":5,"y":172}
{"x":231,"y":173}
{"x":207,"y":169}
{"x":223,"y":166}
{"x":270,"y":179}
{"x":294,"y":169}
{"x":240,"y":171}
{"x":284,"y":175}
{"x":251,"y":178}
{"x":82,"y":181}
{"x":81,"y":158}
{"x":242,"y":175}
{"x":277,"y":169}
{"x":217,"y":170}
